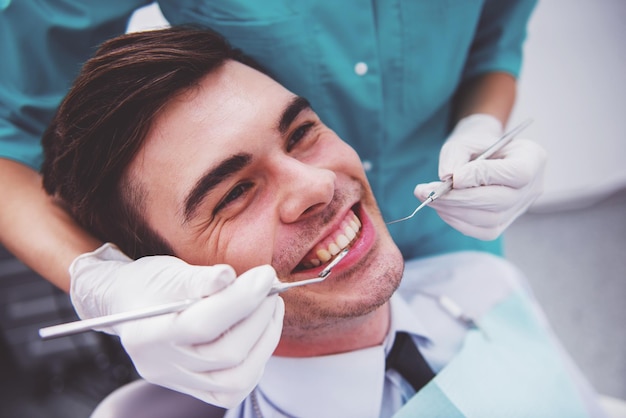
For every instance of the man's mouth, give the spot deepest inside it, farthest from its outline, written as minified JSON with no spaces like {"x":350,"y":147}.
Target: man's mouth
{"x":330,"y":246}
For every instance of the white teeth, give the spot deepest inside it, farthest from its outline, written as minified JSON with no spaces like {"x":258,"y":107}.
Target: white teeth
{"x":350,"y":232}
{"x":323,"y":255}
{"x":342,"y":241}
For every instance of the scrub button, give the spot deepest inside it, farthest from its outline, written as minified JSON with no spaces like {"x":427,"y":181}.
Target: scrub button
{"x":360,"y":68}
{"x":367,"y":165}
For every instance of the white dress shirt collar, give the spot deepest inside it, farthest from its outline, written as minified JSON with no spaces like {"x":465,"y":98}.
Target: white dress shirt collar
{"x":358,"y":375}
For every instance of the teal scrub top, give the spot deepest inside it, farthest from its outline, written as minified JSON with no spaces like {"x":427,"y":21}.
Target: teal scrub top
{"x":381,"y":73}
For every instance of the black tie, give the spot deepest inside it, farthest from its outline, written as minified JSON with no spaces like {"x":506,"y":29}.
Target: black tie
{"x":407,"y":360}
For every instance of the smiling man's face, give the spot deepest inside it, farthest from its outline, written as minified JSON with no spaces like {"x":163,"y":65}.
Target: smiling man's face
{"x":239,"y":170}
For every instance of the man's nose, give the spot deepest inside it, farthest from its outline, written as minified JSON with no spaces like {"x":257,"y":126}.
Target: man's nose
{"x":305,"y":190}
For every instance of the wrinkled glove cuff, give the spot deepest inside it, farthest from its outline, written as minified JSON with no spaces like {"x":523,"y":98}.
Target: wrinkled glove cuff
{"x":84,"y":298}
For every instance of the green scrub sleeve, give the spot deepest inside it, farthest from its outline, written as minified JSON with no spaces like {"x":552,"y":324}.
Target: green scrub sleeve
{"x":499,"y":38}
{"x":43,"y":45}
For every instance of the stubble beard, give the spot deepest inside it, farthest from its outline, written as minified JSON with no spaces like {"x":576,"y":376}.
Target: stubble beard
{"x":307,"y":314}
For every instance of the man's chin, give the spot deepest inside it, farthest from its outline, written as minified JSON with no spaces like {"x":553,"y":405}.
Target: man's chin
{"x":314,"y":311}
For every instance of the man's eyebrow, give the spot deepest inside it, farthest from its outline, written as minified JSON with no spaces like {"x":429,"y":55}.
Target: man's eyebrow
{"x":231,"y":165}
{"x":293,"y":109}
{"x":211,"y":179}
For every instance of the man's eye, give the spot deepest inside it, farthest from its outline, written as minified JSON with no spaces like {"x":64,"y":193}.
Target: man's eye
{"x":238,"y":191}
{"x":298,"y":135}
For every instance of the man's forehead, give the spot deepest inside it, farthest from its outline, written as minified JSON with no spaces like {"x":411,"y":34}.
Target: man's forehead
{"x":229,"y":97}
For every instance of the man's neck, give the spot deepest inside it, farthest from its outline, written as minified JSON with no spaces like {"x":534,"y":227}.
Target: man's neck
{"x":346,"y":335}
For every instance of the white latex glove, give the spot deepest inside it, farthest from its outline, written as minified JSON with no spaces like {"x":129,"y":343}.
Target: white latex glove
{"x":487,"y":195}
{"x":215,"y":350}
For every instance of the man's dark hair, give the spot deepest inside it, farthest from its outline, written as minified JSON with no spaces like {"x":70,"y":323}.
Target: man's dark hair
{"x":104,"y":119}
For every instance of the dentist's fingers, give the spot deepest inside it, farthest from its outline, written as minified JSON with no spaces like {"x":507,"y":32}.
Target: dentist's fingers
{"x":517,"y":165}
{"x":210,"y":317}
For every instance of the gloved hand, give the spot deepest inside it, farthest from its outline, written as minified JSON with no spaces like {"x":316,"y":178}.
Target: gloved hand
{"x":215,"y":350}
{"x":487,"y":195}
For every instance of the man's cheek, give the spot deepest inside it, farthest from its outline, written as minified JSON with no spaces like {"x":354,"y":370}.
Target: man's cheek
{"x":250,"y":252}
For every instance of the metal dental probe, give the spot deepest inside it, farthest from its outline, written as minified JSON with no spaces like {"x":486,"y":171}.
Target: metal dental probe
{"x":75,"y":327}
{"x":447,"y":185}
